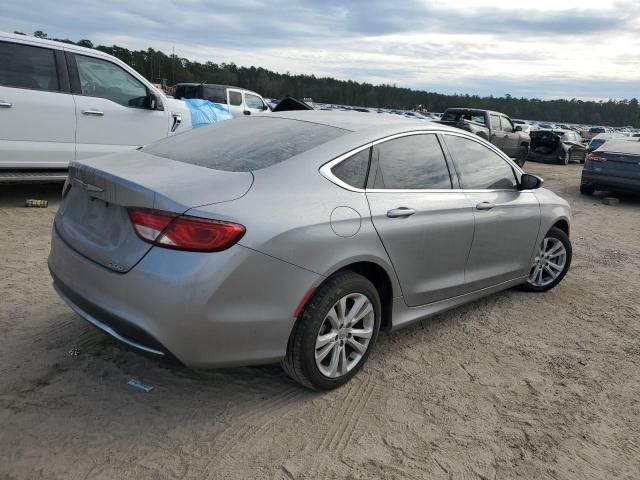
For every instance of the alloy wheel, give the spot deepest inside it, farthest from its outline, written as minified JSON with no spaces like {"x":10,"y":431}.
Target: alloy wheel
{"x":344,"y":335}
{"x":549,"y":263}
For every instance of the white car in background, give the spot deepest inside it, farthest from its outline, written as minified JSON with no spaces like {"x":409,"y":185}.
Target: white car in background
{"x":60,"y":102}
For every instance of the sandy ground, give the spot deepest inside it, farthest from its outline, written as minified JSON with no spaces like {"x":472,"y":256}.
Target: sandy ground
{"x":515,"y":386}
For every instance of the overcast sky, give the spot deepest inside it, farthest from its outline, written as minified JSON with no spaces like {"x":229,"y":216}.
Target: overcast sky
{"x":541,"y":48}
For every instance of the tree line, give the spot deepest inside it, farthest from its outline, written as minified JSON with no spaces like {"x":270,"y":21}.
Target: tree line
{"x":156,"y":65}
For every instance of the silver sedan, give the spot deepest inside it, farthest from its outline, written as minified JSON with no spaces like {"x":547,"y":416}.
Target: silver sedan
{"x":297,"y":237}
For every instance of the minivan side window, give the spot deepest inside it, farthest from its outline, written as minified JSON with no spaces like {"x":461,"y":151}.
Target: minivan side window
{"x":353,"y":170}
{"x":235,"y":98}
{"x":253,"y":101}
{"x":24,"y":66}
{"x":414,"y":162}
{"x":480,"y":168}
{"x":100,"y":78}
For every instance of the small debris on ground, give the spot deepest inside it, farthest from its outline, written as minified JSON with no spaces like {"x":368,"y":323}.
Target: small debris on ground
{"x":134,"y":382}
{"x":611,"y":201}
{"x":74,"y":352}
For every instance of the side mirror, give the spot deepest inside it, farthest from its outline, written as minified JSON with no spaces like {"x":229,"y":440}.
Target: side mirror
{"x":518,"y":128}
{"x":154,"y":102}
{"x":530,"y":182}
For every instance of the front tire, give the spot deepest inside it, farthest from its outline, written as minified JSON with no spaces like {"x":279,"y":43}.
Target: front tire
{"x":335,"y":333}
{"x":522,"y":156}
{"x":566,"y":158}
{"x":551,"y":263}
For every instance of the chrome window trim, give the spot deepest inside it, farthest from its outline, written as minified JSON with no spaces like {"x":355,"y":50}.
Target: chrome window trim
{"x":325,"y":170}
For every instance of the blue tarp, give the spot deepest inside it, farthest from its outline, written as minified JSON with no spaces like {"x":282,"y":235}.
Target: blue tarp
{"x":204,"y":112}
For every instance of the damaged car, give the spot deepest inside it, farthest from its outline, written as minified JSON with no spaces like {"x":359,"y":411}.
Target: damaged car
{"x":557,"y":146}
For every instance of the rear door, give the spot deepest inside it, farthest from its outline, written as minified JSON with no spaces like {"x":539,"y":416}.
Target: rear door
{"x":506,"y":220}
{"x":112,"y":108}
{"x":235,"y":102}
{"x":37,"y":112}
{"x":425,"y":226}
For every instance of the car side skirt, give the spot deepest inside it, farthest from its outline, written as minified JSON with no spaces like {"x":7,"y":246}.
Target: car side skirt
{"x":403,"y":315}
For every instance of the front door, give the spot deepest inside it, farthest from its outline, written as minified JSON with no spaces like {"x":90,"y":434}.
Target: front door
{"x":511,"y":145}
{"x":425,"y":226}
{"x":497,"y":135}
{"x":507,"y":220}
{"x":37,"y":115}
{"x":112,"y":110}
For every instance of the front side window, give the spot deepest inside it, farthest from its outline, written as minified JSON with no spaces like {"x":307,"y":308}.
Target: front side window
{"x":24,"y":66}
{"x":507,"y":126}
{"x":253,"y":101}
{"x":235,"y":98}
{"x":100,"y":78}
{"x":353,"y":170}
{"x":480,"y":168}
{"x":414,"y":162}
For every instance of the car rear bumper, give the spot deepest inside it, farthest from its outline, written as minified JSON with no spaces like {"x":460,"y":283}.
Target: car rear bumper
{"x":207,"y":310}
{"x":604,"y":182}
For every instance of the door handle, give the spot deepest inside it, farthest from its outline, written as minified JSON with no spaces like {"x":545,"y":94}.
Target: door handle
{"x":485,"y":206}
{"x":247,"y":112}
{"x":400,"y":212}
{"x":5,"y":104}
{"x":97,"y":113}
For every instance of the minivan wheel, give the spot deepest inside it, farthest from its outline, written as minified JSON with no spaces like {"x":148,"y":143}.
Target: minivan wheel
{"x":566,"y":158}
{"x":335,"y":334}
{"x":551,"y":263}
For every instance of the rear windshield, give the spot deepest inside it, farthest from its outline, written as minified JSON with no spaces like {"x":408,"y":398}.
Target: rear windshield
{"x":244,"y":144}
{"x":596,"y":130}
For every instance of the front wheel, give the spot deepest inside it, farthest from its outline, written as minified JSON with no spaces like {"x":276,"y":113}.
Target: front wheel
{"x":586,"y":189}
{"x":335,"y":334}
{"x":551,"y":263}
{"x":566,"y":158}
{"x":522,"y":156}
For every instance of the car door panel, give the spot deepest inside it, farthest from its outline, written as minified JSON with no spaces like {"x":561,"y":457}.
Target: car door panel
{"x":424,"y":225}
{"x":497,"y":135}
{"x":111,"y":109}
{"x":37,"y":116}
{"x":511,"y":138}
{"x":504,"y":237}
{"x":507,"y":221}
{"x":235,"y":102}
{"x":429,"y":248}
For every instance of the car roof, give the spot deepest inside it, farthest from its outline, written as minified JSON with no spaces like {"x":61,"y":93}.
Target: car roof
{"x":27,"y":39}
{"x":359,"y":121}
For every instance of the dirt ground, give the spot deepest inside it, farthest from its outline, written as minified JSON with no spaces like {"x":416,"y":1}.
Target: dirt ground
{"x":518,"y":385}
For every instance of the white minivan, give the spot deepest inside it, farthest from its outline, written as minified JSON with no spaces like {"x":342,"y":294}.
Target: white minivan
{"x":60,"y":102}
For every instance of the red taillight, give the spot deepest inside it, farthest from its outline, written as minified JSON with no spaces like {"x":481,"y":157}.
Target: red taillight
{"x":195,"y":234}
{"x":595,"y":157}
{"x":66,"y":187}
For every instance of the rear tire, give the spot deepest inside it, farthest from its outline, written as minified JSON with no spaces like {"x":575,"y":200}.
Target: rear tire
{"x":327,"y":347}
{"x":566,"y":158}
{"x":551,"y":263}
{"x":586,"y":189}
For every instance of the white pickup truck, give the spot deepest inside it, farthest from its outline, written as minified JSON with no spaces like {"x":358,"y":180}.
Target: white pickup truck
{"x":60,"y":102}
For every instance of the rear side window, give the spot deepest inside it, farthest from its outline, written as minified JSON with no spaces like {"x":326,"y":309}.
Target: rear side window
{"x":480,"y":168}
{"x":24,"y":66}
{"x":495,"y":122}
{"x":253,"y":144}
{"x":235,"y":98}
{"x":353,"y":170}
{"x":415,"y":162}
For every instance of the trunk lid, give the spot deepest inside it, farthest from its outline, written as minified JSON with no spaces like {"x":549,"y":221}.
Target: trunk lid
{"x":93,"y":219}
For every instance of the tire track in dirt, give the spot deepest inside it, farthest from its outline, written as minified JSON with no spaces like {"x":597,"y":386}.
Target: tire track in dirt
{"x":245,"y":427}
{"x":339,"y":433}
